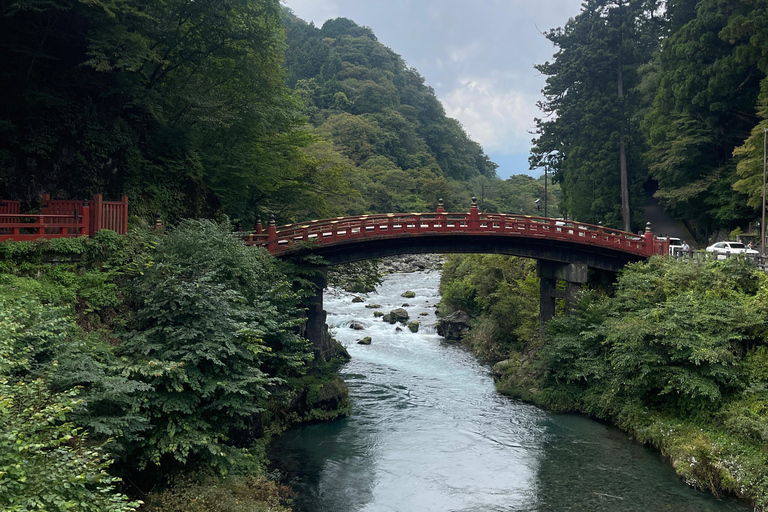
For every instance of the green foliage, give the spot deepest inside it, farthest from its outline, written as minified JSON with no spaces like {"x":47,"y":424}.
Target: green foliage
{"x":180,"y":105}
{"x":387,"y":131}
{"x":706,"y":89}
{"x":591,"y":108}
{"x":46,"y":461}
{"x":500,"y":293}
{"x":359,"y":277}
{"x":671,"y":338}
{"x":214,"y":327}
{"x":230,"y":494}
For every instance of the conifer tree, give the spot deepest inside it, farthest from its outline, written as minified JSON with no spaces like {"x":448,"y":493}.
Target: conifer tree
{"x":590,"y":137}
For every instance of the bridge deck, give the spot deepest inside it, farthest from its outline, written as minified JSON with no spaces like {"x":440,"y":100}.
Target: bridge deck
{"x":326,"y":233}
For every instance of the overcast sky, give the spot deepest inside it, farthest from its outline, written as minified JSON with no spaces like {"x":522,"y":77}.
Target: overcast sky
{"x":478,"y":55}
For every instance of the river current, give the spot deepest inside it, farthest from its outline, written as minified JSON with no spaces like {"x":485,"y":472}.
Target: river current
{"x":429,"y":433}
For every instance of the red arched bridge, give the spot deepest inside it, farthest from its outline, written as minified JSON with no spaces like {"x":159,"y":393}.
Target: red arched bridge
{"x":564,"y":250}
{"x":348,"y":239}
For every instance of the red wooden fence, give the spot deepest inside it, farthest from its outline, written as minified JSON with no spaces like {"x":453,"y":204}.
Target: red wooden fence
{"x":12,"y":207}
{"x":63,"y":218}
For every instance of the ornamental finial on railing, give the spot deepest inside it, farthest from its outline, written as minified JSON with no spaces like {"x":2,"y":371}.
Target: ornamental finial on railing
{"x":473,"y":220}
{"x":258,"y":228}
{"x":271,"y":234}
{"x":440,"y":208}
{"x":648,"y":227}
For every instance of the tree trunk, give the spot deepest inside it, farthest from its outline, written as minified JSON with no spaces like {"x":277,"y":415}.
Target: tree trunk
{"x":622,"y":152}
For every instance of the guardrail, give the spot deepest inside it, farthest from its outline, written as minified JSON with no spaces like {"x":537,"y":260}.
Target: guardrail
{"x":25,"y":227}
{"x":699,"y":256}
{"x":63,"y":218}
{"x":289,"y":238}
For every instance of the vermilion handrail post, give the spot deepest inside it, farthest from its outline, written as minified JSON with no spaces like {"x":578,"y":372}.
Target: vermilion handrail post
{"x":441,"y":217}
{"x":648,"y":239}
{"x":84,"y":228}
{"x":40,"y":225}
{"x":258,"y":227}
{"x":473,"y":221}
{"x":124,"y":215}
{"x":97,"y":214}
{"x":271,"y":235}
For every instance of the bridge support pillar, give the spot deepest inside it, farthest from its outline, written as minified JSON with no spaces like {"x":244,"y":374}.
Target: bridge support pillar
{"x":550,"y":272}
{"x":315,"y":329}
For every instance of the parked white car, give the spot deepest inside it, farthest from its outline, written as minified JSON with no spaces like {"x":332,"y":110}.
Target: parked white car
{"x":675,"y":245}
{"x":731,"y":248}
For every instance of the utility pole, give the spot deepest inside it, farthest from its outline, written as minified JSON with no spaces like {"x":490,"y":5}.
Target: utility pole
{"x":762,"y":222}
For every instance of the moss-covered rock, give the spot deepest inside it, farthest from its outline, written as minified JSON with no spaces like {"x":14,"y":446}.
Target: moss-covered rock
{"x":378,"y":314}
{"x":408,"y":295}
{"x":414,"y":326}
{"x":398,"y":315}
{"x":365,"y":341}
{"x":357,"y":299}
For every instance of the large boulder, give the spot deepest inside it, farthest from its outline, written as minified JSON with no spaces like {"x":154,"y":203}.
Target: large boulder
{"x":454,"y":326}
{"x":398,"y":315}
{"x":413,"y":326}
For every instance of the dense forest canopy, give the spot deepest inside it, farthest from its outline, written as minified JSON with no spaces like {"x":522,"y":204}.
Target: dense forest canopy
{"x":235,"y":107}
{"x":672,"y":92}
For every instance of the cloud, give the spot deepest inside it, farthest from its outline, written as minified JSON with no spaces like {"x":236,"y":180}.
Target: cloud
{"x":317,"y":11}
{"x":464,"y":53}
{"x":496,"y":116}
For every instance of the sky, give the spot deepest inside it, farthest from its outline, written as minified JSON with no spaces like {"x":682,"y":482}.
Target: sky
{"x":478,"y":55}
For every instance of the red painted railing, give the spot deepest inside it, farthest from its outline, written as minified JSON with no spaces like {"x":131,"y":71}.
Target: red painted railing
{"x":104,"y":214}
{"x":290,"y":238}
{"x":63,"y":218}
{"x":24,"y":226}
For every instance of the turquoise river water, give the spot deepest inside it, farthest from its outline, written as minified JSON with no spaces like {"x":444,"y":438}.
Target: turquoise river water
{"x":429,"y":433}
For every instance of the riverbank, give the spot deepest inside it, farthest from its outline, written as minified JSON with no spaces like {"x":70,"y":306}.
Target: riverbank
{"x":429,"y":432}
{"x":162,"y":360}
{"x":675,"y":358}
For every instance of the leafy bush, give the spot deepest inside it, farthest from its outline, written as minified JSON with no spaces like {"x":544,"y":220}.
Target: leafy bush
{"x":231,"y":494}
{"x":46,"y":462}
{"x":214,"y":328}
{"x":500,"y":293}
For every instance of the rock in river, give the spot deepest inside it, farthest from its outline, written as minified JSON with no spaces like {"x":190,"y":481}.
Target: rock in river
{"x":398,"y":315}
{"x":453,"y":326}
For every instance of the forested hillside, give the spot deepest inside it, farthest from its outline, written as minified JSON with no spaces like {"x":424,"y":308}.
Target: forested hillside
{"x":234,"y":107}
{"x":400,"y":151}
{"x":668,"y":91}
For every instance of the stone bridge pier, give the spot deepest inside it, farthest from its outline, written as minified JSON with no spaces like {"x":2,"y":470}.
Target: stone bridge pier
{"x":550,"y":272}
{"x":315,"y":328}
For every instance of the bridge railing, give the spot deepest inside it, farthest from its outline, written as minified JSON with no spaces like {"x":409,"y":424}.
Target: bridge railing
{"x":291,"y":237}
{"x":63,"y":218}
{"x":26,"y":227}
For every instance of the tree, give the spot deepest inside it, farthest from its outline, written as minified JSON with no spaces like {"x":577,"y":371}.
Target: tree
{"x":706,"y":92}
{"x":592,"y":141}
{"x":215,"y":326}
{"x":48,"y":463}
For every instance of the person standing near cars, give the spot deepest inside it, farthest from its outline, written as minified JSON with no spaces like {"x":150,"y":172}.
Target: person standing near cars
{"x":686,"y":249}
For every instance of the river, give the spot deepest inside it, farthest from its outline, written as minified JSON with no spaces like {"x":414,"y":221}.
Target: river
{"x":429,"y":433}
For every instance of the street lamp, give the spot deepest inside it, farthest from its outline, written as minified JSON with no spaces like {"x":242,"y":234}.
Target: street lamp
{"x":545,"y":191}
{"x":762,"y":223}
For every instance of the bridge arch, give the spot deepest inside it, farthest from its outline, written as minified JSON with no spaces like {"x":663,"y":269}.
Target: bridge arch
{"x":564,"y":250}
